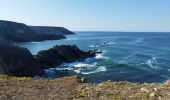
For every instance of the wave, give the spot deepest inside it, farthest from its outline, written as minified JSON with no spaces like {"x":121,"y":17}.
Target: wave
{"x":81,"y":65}
{"x":93,"y":46}
{"x":99,"y":69}
{"x":101,"y":55}
{"x":151,"y":61}
{"x":85,"y":68}
{"x":88,"y":66}
{"x":146,"y":62}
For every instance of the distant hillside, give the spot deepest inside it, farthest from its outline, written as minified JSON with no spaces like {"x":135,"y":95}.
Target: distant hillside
{"x":51,"y":30}
{"x":19,"y":32}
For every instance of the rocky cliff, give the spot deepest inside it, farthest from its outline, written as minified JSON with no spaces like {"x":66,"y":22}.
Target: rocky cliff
{"x":17,"y":61}
{"x":19,"y":32}
{"x":51,"y":30}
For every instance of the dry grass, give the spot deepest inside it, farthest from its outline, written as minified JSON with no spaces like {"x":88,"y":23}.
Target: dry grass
{"x":25,"y":88}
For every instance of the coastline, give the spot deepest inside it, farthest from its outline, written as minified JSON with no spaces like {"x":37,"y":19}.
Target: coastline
{"x":72,"y":88}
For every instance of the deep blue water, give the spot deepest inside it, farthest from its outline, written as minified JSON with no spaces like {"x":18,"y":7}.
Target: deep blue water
{"x":127,"y":56}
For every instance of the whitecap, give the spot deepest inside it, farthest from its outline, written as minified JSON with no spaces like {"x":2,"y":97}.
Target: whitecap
{"x":77,"y":71}
{"x":101,"y":56}
{"x":168,"y":70}
{"x":104,"y":51}
{"x":99,"y":69}
{"x":151,"y":63}
{"x":82,"y":65}
{"x":93,"y":46}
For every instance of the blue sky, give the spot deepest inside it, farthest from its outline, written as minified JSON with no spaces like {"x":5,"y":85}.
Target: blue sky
{"x":90,"y":15}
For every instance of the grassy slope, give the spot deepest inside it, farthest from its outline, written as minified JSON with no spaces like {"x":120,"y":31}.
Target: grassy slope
{"x":70,"y":88}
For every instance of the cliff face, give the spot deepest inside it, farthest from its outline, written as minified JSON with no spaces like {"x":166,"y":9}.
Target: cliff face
{"x":18,"y":32}
{"x":51,"y":30}
{"x":17,"y":61}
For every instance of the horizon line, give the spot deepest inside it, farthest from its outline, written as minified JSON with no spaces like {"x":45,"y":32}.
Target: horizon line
{"x":128,"y":31}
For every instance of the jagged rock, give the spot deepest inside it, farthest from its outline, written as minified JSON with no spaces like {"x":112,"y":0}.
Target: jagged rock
{"x":17,"y":61}
{"x":62,"y":54}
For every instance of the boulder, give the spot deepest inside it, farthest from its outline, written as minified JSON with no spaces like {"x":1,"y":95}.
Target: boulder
{"x":61,"y":54}
{"x":17,"y":61}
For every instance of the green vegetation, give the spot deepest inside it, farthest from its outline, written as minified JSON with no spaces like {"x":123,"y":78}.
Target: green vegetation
{"x":5,"y":77}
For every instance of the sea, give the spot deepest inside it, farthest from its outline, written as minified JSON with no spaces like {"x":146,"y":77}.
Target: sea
{"x":142,"y":57}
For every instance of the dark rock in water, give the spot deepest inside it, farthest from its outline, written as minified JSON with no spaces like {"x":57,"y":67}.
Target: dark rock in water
{"x":19,"y":32}
{"x":17,"y":61}
{"x":51,"y":30}
{"x":62,"y":54}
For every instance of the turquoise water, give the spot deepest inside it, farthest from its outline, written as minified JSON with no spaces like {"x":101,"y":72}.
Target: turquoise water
{"x":127,"y":56}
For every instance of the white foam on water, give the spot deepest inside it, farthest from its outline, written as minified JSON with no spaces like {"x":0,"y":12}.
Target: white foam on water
{"x":93,"y":46}
{"x":151,"y":63}
{"x":101,"y":56}
{"x":82,"y":65}
{"x":168,"y":70}
{"x":104,"y":51}
{"x":86,"y":67}
{"x":110,"y":43}
{"x":99,"y":69}
{"x":78,"y":71}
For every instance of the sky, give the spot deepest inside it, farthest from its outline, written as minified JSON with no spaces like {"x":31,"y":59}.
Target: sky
{"x":91,"y":15}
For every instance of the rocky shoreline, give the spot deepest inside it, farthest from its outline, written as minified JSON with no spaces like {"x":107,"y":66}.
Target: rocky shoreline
{"x":21,"y":66}
{"x":18,"y":61}
{"x":72,"y":88}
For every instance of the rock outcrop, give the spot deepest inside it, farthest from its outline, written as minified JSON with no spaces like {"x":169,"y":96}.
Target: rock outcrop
{"x":17,"y":61}
{"x":61,"y":54}
{"x":51,"y":30}
{"x":19,"y":32}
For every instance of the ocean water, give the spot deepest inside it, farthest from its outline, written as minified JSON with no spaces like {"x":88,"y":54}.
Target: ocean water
{"x":127,"y":56}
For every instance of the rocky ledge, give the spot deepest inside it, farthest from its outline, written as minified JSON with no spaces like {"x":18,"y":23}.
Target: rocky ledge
{"x":71,"y":88}
{"x":18,"y":61}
